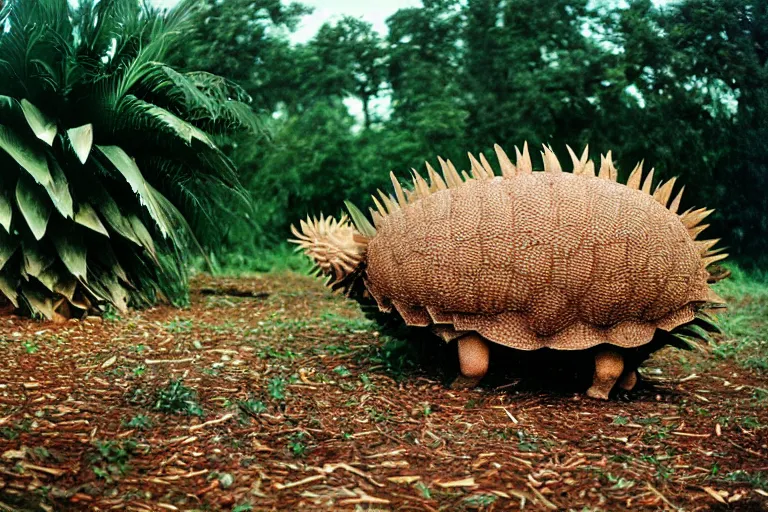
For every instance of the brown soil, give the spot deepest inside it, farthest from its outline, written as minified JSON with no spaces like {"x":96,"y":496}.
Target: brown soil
{"x":347,"y":422}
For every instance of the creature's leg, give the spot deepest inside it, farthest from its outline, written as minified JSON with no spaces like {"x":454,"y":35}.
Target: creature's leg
{"x":608,"y":368}
{"x":473,"y":361}
{"x":628,"y":381}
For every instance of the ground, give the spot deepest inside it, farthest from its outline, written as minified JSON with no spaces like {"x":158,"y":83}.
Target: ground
{"x":270,"y":393}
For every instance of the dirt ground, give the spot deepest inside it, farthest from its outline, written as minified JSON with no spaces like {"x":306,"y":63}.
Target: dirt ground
{"x":289,"y":400}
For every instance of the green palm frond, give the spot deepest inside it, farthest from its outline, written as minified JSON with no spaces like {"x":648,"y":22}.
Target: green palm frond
{"x":111,"y":173}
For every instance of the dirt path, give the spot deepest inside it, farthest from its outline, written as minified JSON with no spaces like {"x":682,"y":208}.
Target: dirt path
{"x":290,"y":401}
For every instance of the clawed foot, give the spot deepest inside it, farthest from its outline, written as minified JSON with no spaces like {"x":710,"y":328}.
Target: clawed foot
{"x":596,"y":392}
{"x":609,"y":366}
{"x":464,"y":382}
{"x":473,"y":361}
{"x":628,"y":380}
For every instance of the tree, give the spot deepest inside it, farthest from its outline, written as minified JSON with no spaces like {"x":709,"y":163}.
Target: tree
{"x":724,"y":53}
{"x":110,"y":174}
{"x":245,"y":41}
{"x":309,"y":167}
{"x":429,"y":112}
{"x":351,"y":58}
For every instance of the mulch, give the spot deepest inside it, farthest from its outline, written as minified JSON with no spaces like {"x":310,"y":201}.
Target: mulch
{"x":299,"y":404}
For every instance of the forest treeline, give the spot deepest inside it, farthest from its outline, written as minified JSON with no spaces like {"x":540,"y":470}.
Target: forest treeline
{"x":682,"y":86}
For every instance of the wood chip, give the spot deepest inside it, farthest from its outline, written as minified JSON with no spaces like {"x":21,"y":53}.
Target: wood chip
{"x":509,"y":414}
{"x":544,"y":501}
{"x":14,"y":454}
{"x":41,"y":469}
{"x":688,"y":434}
{"x":169,"y":361}
{"x":212,"y":422}
{"x":386,"y":454}
{"x":364,"y":498}
{"x":714,"y":494}
{"x":403,"y":479}
{"x":307,"y":480}
{"x":662,"y":497}
{"x":109,"y":362}
{"x":466,"y":482}
{"x":330,"y":468}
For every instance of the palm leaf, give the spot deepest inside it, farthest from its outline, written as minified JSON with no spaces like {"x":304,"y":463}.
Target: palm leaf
{"x":160,"y":210}
{"x":87,"y":216}
{"x":43,"y":126}
{"x":81,"y":139}
{"x":6,"y":210}
{"x":8,"y":246}
{"x":34,"y":206}
{"x":30,"y":159}
{"x":92,"y":73}
{"x":72,"y":251}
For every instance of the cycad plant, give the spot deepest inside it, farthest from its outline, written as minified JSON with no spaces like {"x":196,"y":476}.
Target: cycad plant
{"x":109,"y":172}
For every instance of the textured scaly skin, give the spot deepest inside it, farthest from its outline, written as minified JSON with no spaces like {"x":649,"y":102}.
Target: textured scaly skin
{"x":539,"y":260}
{"x":527,"y":259}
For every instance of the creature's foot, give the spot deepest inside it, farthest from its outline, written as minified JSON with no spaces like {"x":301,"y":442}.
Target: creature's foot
{"x":628,"y":381}
{"x":473,"y":361}
{"x":463,"y":382}
{"x":608,"y":368}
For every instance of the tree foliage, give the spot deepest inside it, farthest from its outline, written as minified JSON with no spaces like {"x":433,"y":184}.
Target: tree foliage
{"x":110,"y":170}
{"x":681,"y":86}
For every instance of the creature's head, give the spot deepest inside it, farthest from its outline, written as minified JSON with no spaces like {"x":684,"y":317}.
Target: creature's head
{"x":336,"y":246}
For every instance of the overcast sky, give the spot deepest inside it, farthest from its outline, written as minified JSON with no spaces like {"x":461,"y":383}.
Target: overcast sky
{"x":375,"y":12}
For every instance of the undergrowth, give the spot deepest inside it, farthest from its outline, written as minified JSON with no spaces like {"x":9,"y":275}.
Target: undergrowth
{"x":745,"y":323}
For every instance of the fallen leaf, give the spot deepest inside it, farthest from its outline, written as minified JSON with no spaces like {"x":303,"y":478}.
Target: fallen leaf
{"x":714,"y":494}
{"x":403,"y":479}
{"x":109,"y":362}
{"x":14,"y":454}
{"x":467,"y":482}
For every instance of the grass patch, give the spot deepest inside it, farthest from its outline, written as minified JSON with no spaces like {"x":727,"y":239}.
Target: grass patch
{"x":280,"y":259}
{"x":757,"y":479}
{"x":745,"y":325}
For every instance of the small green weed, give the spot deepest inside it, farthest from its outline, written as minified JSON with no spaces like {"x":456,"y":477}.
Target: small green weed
{"x":178,"y":326}
{"x":758,"y":479}
{"x":368,"y":385}
{"x":276,"y":388}
{"x":176,"y":398}
{"x":342,"y":371}
{"x":619,"y":482}
{"x":424,"y":490}
{"x":252,"y":407}
{"x":111,"y":458}
{"x":296,"y":444}
{"x":140,"y":422}
{"x":480,"y":500}
{"x":110,"y":314}
{"x":527,"y":442}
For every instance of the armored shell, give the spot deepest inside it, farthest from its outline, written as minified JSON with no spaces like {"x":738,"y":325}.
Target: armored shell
{"x":537,"y":259}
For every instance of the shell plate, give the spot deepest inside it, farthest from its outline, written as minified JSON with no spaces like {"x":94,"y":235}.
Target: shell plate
{"x":538,"y":260}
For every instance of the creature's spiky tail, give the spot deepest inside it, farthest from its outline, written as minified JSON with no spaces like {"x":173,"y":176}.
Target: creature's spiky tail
{"x":335,"y":246}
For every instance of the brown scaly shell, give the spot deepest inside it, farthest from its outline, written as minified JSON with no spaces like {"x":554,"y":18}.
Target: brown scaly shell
{"x":537,"y":259}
